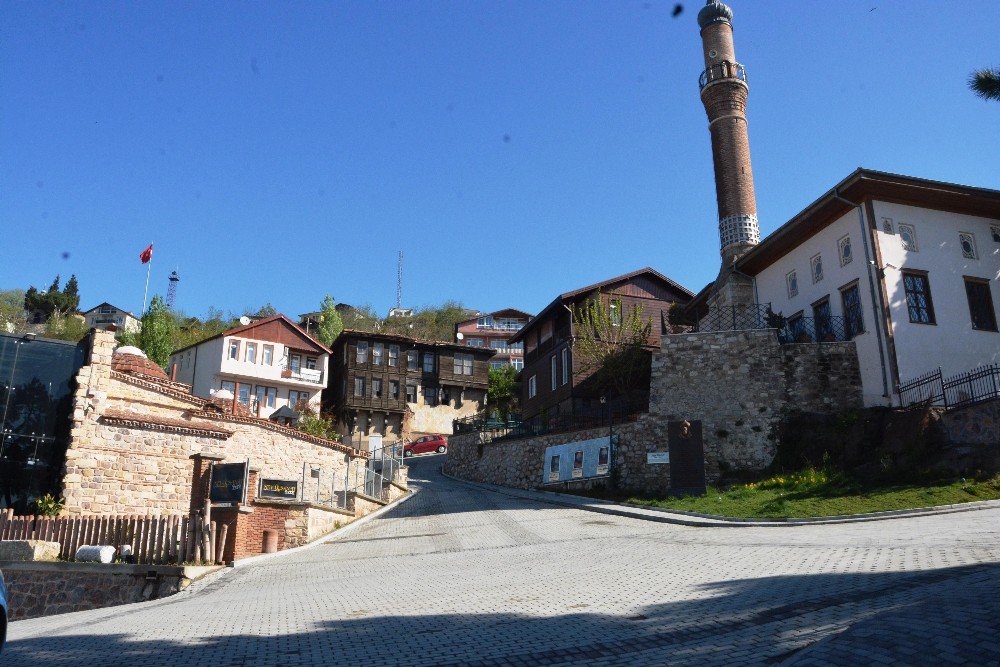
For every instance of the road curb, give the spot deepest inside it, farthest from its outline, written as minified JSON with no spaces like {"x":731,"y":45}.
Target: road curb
{"x":694,"y":519}
{"x":331,"y":536}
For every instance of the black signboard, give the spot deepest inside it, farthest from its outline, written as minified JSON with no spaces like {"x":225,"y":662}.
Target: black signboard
{"x":229,"y":483}
{"x":279,"y":488}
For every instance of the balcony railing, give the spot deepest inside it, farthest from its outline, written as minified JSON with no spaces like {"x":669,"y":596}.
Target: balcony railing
{"x":313,"y":375}
{"x":723,"y":70}
{"x":831,"y":328}
{"x":975,"y":386}
{"x":815,"y":330}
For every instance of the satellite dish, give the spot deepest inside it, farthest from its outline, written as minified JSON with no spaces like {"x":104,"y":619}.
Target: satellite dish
{"x":460,"y":336}
{"x":244,"y":320}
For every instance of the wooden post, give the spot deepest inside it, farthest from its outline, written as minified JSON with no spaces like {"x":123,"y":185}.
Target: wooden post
{"x":220,"y":554}
{"x":211,"y":542}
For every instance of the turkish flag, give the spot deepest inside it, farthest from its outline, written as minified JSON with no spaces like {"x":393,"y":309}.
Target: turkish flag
{"x":146,"y":254}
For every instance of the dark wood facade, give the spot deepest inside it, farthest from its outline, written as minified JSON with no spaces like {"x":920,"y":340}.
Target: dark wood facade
{"x":548,"y":340}
{"x":393,"y":368}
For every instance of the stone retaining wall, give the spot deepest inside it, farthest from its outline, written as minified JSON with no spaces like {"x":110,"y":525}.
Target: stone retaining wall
{"x":43,"y":589}
{"x":741,"y":383}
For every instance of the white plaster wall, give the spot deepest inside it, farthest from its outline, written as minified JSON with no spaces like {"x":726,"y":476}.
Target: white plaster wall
{"x":771,"y":288}
{"x":951,"y":343}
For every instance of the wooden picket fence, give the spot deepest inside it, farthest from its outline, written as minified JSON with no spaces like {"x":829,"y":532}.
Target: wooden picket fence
{"x":154,"y":540}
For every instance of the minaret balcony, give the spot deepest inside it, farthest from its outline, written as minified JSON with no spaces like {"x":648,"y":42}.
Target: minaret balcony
{"x":721,"y":72}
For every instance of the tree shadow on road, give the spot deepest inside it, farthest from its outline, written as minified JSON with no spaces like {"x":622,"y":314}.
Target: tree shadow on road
{"x":898,"y":617}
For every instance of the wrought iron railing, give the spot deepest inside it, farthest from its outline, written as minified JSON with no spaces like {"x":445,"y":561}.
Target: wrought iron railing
{"x":957,"y":391}
{"x":723,"y":70}
{"x":814,"y":330}
{"x":739,"y":318}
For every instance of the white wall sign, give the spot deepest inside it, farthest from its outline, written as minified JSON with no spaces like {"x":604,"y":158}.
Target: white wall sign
{"x":657,"y":457}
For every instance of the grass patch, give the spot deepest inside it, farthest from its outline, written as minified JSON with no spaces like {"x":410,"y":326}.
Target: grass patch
{"x":813,"y":492}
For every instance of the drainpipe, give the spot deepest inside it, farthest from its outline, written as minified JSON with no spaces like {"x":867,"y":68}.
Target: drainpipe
{"x":876,"y":295}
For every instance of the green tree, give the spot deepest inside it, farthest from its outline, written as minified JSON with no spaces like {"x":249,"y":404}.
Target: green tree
{"x":986,"y":83}
{"x":12,"y":317}
{"x":330,"y":324}
{"x":156,"y":332}
{"x":66,"y":326}
{"x":47,"y":303}
{"x":502,"y":391}
{"x":610,"y":345}
{"x":71,"y":294}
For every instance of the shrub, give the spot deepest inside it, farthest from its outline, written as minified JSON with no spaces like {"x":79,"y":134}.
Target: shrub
{"x":48,"y":505}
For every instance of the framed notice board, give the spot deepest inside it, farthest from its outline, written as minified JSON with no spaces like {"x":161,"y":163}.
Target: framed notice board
{"x":229,"y":483}
{"x":280,"y":489}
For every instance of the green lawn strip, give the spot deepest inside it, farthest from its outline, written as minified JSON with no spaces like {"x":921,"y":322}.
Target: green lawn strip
{"x":816,"y":493}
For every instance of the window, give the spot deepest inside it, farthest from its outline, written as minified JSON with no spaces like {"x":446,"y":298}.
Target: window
{"x":615,"y":313}
{"x":578,"y":460}
{"x":359,"y":387}
{"x":602,"y":456}
{"x":796,"y":326}
{"x":272,"y":395}
{"x":918,"y":297}
{"x":516,"y":347}
{"x":554,"y":464}
{"x":565,"y":365}
{"x":234,"y":349}
{"x":554,"y":371}
{"x":850,"y":299}
{"x":411,"y":360}
{"x":295,"y":398}
{"x":377,"y":350}
{"x":252,"y":353}
{"x":362,"y":352}
{"x":394,"y":389}
{"x":518,"y":364}
{"x":244,"y":394}
{"x":817,"y":268}
{"x":485,"y":322}
{"x":268,"y":356}
{"x":444,"y":396}
{"x":394,"y":355}
{"x":823,"y":319}
{"x":376,"y":388}
{"x":532,"y":386}
{"x":430,"y":395}
{"x":968,"y":243}
{"x":295,"y":363}
{"x":474,"y":342}
{"x":995,"y":233}
{"x":463,"y":364}
{"x":980,"y":304}
{"x":844,"y":250}
{"x":428,"y":362}
{"x":411,"y":393}
{"x":229,"y":386}
{"x":908,"y":237}
{"x":793,"y":285}
{"x":311,"y":363}
{"x":497,"y":343}
{"x":497,"y":364}
{"x":107,"y":310}
{"x":887,"y":225}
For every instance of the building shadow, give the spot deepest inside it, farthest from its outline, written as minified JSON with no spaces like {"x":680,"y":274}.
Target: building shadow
{"x":928,"y":617}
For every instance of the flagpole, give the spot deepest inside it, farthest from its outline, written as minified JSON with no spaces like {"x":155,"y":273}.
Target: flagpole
{"x":145,"y":292}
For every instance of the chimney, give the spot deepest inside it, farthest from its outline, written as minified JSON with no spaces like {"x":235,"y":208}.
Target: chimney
{"x":724,"y":93}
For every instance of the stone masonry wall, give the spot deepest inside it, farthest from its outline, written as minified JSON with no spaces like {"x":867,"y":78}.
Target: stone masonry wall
{"x":117,"y":463}
{"x":520,"y":463}
{"x":740,"y":383}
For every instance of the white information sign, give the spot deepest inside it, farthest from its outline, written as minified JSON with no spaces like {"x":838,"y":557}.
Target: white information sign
{"x":657,"y":457}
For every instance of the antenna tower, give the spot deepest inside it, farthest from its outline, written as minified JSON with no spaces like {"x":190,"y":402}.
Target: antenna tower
{"x":399,"y":281}
{"x":172,"y":289}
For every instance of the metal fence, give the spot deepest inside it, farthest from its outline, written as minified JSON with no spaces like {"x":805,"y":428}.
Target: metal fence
{"x":814,"y":330}
{"x":493,"y":430}
{"x":738,"y":318}
{"x":957,"y":391}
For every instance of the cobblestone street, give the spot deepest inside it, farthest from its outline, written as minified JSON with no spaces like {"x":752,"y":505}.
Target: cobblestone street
{"x":460,"y":575}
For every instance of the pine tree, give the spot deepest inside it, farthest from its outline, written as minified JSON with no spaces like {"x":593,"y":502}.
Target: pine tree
{"x":986,"y":83}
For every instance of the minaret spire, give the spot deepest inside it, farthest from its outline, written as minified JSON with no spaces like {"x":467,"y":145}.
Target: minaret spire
{"x":724,"y":93}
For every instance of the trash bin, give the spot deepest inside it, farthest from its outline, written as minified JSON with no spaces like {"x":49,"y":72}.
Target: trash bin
{"x":270,"y":541}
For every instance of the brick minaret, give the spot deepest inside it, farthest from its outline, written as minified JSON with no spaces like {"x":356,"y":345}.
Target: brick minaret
{"x":724,"y":94}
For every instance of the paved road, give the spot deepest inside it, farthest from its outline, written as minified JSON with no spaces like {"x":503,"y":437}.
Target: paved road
{"x":459,"y":575}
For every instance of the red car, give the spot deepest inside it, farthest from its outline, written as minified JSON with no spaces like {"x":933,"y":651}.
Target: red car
{"x":427,"y":445}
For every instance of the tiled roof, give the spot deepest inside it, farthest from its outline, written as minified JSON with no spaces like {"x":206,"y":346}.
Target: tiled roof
{"x":133,"y":364}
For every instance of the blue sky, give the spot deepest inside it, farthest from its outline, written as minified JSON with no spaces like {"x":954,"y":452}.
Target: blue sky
{"x":276,"y":152}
